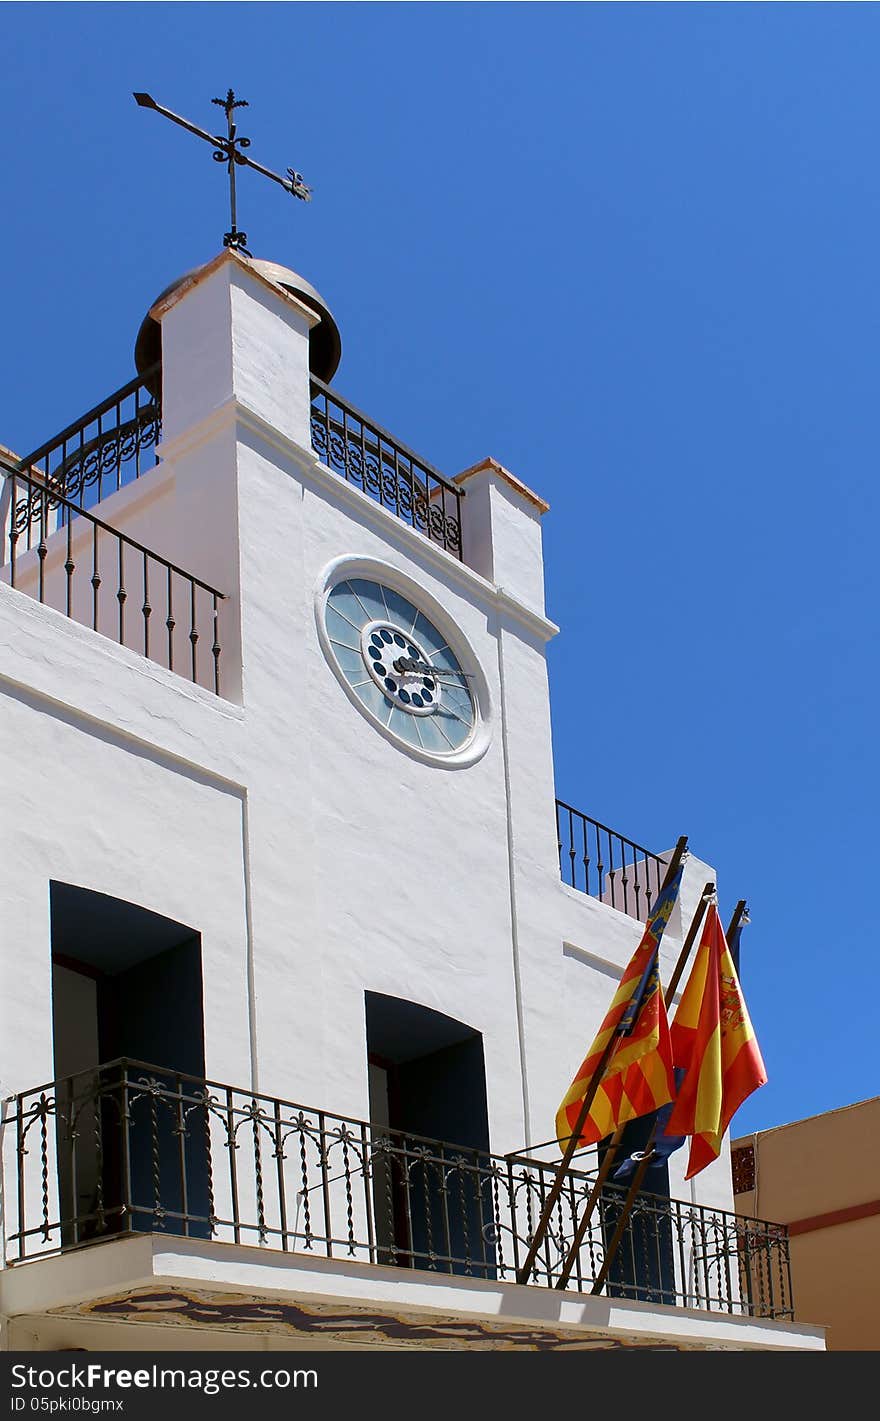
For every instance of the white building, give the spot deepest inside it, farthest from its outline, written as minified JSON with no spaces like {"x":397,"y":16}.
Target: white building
{"x":260,"y":884}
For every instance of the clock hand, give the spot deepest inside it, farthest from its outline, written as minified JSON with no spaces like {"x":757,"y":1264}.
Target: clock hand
{"x":405,"y":664}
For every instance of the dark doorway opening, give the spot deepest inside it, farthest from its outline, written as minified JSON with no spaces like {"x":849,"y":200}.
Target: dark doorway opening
{"x":431,"y":1182}
{"x":126,"y":983}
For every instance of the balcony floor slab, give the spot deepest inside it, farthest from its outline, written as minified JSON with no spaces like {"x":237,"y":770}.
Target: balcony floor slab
{"x":201,"y":1295}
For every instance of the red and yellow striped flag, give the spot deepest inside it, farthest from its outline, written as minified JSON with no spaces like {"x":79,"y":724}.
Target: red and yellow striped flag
{"x":638,"y":1077}
{"x":714,"y":1043}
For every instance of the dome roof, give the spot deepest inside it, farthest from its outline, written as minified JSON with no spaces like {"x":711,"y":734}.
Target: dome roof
{"x":325,"y":343}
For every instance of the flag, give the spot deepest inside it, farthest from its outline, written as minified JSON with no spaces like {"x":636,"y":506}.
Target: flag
{"x":638,"y":1076}
{"x":661,"y":1144}
{"x":714,"y":1044}
{"x":734,"y":942}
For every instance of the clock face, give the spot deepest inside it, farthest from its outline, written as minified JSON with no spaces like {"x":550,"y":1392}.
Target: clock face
{"x":400,"y":666}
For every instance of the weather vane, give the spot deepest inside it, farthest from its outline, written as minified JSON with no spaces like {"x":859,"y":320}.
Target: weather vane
{"x":228,"y":150}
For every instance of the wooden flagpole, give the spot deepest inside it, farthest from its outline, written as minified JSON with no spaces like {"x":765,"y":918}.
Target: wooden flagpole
{"x":611,"y":1152}
{"x":739,"y":913}
{"x":524,"y":1272}
{"x":687,"y":946}
{"x":641,"y":1170}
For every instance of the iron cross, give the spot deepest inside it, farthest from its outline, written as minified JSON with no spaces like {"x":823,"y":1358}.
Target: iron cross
{"x":228,"y":150}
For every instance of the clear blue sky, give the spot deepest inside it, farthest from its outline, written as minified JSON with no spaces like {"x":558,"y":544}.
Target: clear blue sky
{"x":632,"y":252}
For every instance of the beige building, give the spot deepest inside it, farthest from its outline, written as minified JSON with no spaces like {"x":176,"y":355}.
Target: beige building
{"x":821,"y":1177}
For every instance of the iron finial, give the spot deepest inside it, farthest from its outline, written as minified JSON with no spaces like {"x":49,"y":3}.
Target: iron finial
{"x":230,"y":150}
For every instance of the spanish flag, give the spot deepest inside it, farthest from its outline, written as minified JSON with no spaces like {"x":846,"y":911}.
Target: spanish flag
{"x":638,"y":1077}
{"x":714,"y":1043}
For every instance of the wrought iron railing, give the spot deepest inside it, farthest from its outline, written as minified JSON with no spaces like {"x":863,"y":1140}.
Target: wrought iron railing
{"x":601,"y":862}
{"x":370,"y":458}
{"x":64,"y":556}
{"x":130,"y":1147}
{"x":111,"y":445}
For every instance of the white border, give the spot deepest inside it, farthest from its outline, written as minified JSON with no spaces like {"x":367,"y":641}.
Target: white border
{"x":372,"y":568}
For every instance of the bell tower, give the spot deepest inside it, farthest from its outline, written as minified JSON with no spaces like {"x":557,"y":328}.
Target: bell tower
{"x":390,"y":631}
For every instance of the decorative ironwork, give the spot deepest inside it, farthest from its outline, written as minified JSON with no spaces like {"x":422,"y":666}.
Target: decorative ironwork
{"x":50,"y":539}
{"x":742,"y":1166}
{"x":371,"y":459}
{"x":601,"y":862}
{"x":130,"y":1147}
{"x":229,"y":150}
{"x":101,"y":451}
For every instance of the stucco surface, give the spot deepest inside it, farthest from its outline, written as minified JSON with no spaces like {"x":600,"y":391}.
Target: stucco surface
{"x":822,"y":1177}
{"x":316,"y":858}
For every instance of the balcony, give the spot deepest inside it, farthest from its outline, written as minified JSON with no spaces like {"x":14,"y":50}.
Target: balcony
{"x":64,"y":556}
{"x":600,"y":862}
{"x":57,"y":550}
{"x":106,"y":448}
{"x":130,"y":1148}
{"x":367,"y":456}
{"x":115,"y":443}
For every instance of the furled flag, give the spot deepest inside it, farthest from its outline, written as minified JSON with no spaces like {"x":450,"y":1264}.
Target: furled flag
{"x":735,"y":939}
{"x":638,"y":1077}
{"x":714,"y":1043}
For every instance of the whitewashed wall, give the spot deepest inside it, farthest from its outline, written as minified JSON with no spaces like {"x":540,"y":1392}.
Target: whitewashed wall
{"x":266,"y":820}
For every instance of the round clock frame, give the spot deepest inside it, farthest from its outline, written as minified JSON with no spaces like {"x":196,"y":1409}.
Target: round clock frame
{"x":403,"y":662}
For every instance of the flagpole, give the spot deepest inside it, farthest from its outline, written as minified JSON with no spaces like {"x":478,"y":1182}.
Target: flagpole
{"x":629,"y":1201}
{"x":574,"y":1138}
{"x":739,"y":913}
{"x":611,"y":1153}
{"x":636,"y":1184}
{"x":687,"y":945}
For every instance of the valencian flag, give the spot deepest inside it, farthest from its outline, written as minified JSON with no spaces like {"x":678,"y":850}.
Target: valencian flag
{"x":638,"y":1077}
{"x":714,"y":1043}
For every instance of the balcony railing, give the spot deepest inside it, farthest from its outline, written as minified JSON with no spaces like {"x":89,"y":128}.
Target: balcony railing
{"x":601,"y":862}
{"x":67,"y":558}
{"x":370,"y":458}
{"x":129,"y":1147}
{"x":110,"y":446}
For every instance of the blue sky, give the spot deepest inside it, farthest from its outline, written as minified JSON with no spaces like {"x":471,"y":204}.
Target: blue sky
{"x":631,"y":252}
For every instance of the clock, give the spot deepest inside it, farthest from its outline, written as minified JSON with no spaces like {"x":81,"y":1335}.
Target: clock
{"x":400,"y":668}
